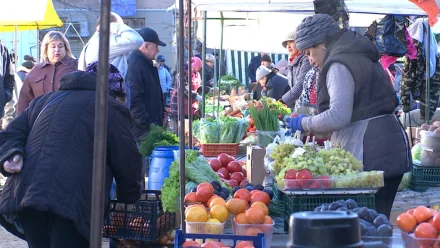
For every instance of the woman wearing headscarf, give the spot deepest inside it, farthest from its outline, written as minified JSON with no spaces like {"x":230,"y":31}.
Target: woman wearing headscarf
{"x":56,"y":61}
{"x":297,"y":69}
{"x":47,"y":154}
{"x":355,"y":101}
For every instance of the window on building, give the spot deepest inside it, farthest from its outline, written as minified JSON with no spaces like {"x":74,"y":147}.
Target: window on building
{"x":135,"y":23}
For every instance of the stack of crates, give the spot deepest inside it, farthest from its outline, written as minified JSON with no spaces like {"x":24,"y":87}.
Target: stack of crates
{"x":423,"y":177}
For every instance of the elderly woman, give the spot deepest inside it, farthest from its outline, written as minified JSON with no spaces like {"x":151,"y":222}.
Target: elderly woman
{"x":298,"y":67}
{"x":356,"y":102}
{"x":273,"y":84}
{"x":56,"y":61}
{"x":47,"y":154}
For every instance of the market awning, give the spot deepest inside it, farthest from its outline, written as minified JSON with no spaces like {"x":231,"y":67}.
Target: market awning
{"x":28,"y":15}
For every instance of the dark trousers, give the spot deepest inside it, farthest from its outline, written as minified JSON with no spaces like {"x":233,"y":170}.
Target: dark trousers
{"x":385,"y":195}
{"x":47,"y":230}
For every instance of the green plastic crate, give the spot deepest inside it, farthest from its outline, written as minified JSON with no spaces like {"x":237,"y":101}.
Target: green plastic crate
{"x":423,"y":177}
{"x":300,"y":203}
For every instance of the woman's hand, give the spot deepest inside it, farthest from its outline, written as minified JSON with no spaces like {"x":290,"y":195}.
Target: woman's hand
{"x":14,"y":164}
{"x":295,"y":123}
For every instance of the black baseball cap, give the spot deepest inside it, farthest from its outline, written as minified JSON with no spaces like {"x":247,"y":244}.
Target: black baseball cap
{"x":149,"y":35}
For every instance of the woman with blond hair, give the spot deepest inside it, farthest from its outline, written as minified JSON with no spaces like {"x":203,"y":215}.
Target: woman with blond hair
{"x":56,"y":61}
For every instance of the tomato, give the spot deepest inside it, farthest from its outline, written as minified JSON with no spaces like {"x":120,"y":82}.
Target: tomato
{"x":436,"y":221}
{"x":225,"y":159}
{"x":237,"y":176}
{"x":406,"y":222}
{"x":234,"y":166}
{"x":215,"y":164}
{"x":224,"y":171}
{"x":422,"y":214}
{"x":290,"y":174}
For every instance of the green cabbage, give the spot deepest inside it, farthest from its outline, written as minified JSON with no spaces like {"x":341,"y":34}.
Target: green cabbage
{"x":416,"y":152}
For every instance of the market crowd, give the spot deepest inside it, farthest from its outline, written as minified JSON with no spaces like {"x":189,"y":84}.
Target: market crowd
{"x":46,"y":147}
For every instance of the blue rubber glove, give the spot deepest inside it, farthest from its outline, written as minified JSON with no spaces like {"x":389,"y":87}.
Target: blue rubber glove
{"x":295,"y":123}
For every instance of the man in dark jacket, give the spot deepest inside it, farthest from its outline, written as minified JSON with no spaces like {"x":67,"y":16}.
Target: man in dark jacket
{"x":49,"y":200}
{"x":7,"y":80}
{"x":146,"y":99}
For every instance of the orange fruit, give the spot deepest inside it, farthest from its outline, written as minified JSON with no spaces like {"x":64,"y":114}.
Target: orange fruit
{"x":422,"y":214}
{"x":243,"y":194}
{"x":255,"y":215}
{"x":406,"y":222}
{"x":425,"y":231}
{"x":211,"y":244}
{"x":268,"y":220}
{"x":190,"y":198}
{"x":260,"y":197}
{"x":220,"y":213}
{"x":243,"y":244}
{"x":254,"y":191}
{"x":208,"y":203}
{"x":196,"y":214}
{"x":241,"y":219}
{"x":217,"y":201}
{"x":195,"y":205}
{"x":410,"y":211}
{"x":191,"y":243}
{"x":253,"y":231}
{"x":236,"y":206}
{"x":262,"y":206}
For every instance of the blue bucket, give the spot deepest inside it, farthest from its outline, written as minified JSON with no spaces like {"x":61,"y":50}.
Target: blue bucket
{"x":161,"y":160}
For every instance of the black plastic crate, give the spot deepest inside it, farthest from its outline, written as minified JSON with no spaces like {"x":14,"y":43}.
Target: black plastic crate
{"x":300,"y":203}
{"x":423,"y":177}
{"x":116,"y":243}
{"x":144,"y":221}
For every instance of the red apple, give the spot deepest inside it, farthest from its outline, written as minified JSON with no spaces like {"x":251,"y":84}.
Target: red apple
{"x":244,"y":171}
{"x":237,"y":176}
{"x":243,"y":183}
{"x":232,"y":182}
{"x":224,"y":171}
{"x":234,"y":166}
{"x":326,"y":182}
{"x":290,"y":174}
{"x":215,"y":164}
{"x":225,"y":159}
{"x":304,"y":178}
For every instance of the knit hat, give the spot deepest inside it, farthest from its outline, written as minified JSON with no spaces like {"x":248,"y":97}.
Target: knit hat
{"x":266,"y":58}
{"x":262,"y":71}
{"x":28,"y":64}
{"x":290,"y":37}
{"x":313,"y":30}
{"x":196,"y":62}
{"x":115,"y":80}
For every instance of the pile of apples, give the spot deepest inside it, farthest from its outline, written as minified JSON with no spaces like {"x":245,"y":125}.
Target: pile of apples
{"x":422,"y":223}
{"x":229,"y":170}
{"x":304,"y":179}
{"x":215,"y":244}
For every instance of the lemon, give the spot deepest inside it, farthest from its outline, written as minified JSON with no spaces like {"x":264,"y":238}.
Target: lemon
{"x":220,"y":213}
{"x":213,"y":226}
{"x":196,"y":214}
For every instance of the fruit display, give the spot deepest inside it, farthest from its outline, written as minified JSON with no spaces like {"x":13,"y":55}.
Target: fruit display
{"x":422,"y":227}
{"x":430,"y":144}
{"x":223,"y":130}
{"x":216,"y":244}
{"x":363,"y":179}
{"x":230,"y":171}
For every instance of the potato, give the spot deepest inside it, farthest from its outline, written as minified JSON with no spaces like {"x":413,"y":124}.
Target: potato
{"x":437,"y":130}
{"x":432,"y":128}
{"x":425,"y":126}
{"x":436,"y":123}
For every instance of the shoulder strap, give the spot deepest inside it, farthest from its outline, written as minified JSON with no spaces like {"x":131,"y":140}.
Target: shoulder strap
{"x":50,"y":103}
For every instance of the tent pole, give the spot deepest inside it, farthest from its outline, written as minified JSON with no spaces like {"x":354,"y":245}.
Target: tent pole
{"x":220,"y":62}
{"x":190,"y":113}
{"x":37,"y":48}
{"x":100,"y":136}
{"x":204,"y":63}
{"x":15,"y":47}
{"x":428,"y":73}
{"x":182,"y":114}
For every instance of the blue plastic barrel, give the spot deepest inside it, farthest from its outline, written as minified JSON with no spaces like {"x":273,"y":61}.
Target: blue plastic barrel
{"x":161,"y":160}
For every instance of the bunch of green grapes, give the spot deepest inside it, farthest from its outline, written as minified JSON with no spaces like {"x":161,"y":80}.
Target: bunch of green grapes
{"x":340,"y":162}
{"x":364,"y":179}
{"x":281,"y":154}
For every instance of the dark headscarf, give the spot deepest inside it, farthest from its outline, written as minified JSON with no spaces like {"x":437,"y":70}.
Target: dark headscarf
{"x":116,"y":82}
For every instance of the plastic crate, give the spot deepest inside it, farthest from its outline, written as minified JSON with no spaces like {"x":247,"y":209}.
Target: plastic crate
{"x":144,"y":221}
{"x":116,"y":243}
{"x":253,"y":229}
{"x":300,"y":203}
{"x":228,"y":240}
{"x":423,"y":177}
{"x":212,"y":150}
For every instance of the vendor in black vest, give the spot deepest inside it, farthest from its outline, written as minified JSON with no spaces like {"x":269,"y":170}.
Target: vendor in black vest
{"x":355,"y":101}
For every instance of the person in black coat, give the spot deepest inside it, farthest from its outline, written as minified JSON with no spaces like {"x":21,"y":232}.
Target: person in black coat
{"x":273,"y":84}
{"x":145,"y":99}
{"x":47,"y":201}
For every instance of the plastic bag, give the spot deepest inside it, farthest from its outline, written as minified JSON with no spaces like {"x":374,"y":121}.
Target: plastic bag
{"x":209,"y":131}
{"x":267,"y":137}
{"x":241,"y":129}
{"x":390,"y":36}
{"x":228,"y":130}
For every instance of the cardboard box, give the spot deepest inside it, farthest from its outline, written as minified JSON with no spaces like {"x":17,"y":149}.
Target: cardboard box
{"x":255,"y":164}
